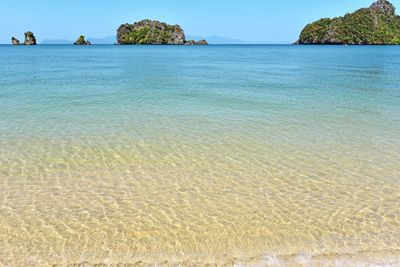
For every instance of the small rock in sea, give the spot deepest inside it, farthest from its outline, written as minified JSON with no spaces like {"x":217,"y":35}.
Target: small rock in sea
{"x":82,"y":41}
{"x":201,"y":42}
{"x":15,"y":41}
{"x":30,"y":38}
{"x":192,"y":42}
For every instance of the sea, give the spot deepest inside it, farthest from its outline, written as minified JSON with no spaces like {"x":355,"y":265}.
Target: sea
{"x":220,"y":155}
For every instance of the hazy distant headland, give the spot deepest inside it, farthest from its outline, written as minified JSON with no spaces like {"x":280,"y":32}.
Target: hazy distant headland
{"x":105,"y":40}
{"x":375,"y":25}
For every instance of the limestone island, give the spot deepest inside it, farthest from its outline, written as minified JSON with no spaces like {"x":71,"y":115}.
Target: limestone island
{"x":151,"y":32}
{"x":30,"y":39}
{"x":376,"y":25}
{"x":82,"y":41}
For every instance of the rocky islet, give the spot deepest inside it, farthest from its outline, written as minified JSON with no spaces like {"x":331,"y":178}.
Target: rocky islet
{"x":375,"y":25}
{"x":30,"y":39}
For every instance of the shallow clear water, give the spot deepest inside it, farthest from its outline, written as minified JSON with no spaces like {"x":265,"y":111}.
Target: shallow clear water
{"x":193,"y":155}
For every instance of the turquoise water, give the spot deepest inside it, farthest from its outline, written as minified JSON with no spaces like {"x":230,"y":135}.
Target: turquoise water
{"x":218,"y":154}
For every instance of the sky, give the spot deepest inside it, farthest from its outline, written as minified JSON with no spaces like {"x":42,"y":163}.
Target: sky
{"x":263,"y":21}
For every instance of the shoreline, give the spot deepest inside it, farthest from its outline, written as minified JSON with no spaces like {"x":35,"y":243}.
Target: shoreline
{"x":364,"y":258}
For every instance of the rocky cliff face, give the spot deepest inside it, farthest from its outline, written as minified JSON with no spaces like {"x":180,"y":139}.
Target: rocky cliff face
{"x":30,"y":39}
{"x":376,"y":25}
{"x":150,"y":32}
{"x":385,"y":7}
{"x":82,"y":41}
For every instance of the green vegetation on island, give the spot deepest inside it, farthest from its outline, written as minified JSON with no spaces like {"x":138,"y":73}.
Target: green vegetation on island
{"x":82,"y":41}
{"x":376,"y":25}
{"x":151,"y":32}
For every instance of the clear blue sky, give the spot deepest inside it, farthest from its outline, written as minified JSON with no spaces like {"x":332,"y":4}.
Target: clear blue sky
{"x":251,"y":20}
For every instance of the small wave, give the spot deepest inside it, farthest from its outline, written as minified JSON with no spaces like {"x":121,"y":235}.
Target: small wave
{"x":359,"y":259}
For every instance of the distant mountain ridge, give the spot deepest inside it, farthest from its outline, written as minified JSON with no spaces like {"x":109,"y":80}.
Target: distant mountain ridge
{"x":214,"y":39}
{"x":60,"y":41}
{"x":104,"y":40}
